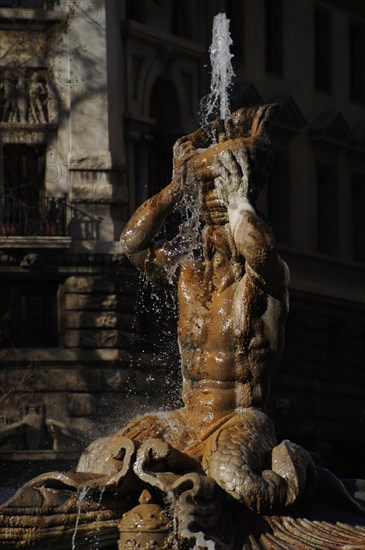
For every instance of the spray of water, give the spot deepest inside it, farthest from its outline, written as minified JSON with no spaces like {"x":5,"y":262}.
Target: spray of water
{"x":187,"y":242}
{"x":222,"y":71}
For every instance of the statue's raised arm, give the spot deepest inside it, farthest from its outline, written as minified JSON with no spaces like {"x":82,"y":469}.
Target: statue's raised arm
{"x":253,"y":237}
{"x":137,"y":238}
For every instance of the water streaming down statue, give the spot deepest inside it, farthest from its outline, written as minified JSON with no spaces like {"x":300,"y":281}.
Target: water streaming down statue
{"x":211,"y":474}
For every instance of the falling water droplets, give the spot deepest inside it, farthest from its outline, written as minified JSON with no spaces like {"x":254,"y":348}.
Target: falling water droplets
{"x":102,"y":491}
{"x":80,"y":498}
{"x":186,"y":244}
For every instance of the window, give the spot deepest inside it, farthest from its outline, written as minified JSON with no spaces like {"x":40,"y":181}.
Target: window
{"x":235,"y":10}
{"x":181,"y":18}
{"x":30,"y":3}
{"x":28,"y":314}
{"x":353,"y":336}
{"x":327,"y":208}
{"x":22,"y":182}
{"x":164,"y":108}
{"x":135,"y":10}
{"x":358,"y":202}
{"x":322,"y":50}
{"x":274,"y":36}
{"x":279,"y":197}
{"x":24,"y":171}
{"x":20,"y":3}
{"x":324,"y":344}
{"x":357,"y":67}
{"x":307,"y":340}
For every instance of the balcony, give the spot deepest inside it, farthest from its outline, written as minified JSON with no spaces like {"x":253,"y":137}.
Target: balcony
{"x":49,"y":217}
{"x":30,"y":6}
{"x":32,"y":14}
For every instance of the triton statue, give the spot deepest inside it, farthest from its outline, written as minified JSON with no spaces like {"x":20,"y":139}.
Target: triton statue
{"x":233,"y":304}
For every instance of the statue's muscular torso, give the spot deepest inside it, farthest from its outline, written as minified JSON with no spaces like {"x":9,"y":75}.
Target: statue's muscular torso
{"x":230,"y":340}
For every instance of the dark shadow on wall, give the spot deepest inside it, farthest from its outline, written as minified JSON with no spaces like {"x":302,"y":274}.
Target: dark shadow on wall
{"x":317,"y":393}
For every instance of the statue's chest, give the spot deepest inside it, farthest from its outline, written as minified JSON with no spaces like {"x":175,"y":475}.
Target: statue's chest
{"x":193,"y":315}
{"x":205,"y":317}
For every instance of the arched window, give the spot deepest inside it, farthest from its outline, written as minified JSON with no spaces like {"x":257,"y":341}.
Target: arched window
{"x":181,"y":18}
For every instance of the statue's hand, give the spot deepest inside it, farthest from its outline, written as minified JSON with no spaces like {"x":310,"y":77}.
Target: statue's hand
{"x":235,"y":181}
{"x":183,"y":151}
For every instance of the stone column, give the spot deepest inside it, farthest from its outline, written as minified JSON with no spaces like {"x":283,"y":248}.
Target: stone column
{"x":96,"y":154}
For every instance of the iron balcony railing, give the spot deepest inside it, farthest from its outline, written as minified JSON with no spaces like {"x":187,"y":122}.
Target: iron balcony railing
{"x":51,"y":217}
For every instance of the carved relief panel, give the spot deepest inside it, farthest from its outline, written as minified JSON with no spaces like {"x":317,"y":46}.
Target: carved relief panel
{"x":26,"y":97}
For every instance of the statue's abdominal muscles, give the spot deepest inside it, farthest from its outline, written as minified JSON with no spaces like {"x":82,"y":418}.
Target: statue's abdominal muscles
{"x":227,"y":358}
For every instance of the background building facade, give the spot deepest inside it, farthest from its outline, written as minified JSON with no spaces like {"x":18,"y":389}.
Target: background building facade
{"x":92,"y":97}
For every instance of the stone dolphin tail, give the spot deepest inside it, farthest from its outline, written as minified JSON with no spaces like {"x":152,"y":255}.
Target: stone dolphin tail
{"x":212,"y":473}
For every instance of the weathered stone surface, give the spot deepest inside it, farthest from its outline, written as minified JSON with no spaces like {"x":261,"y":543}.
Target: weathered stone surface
{"x":93,"y":160}
{"x":100,"y":192}
{"x":100,"y":338}
{"x":81,"y":404}
{"x":89,"y":284}
{"x":97,"y":302}
{"x":84,"y":425}
{"x":84,"y":285}
{"x":90,"y":320}
{"x":34,"y":243}
{"x":55,"y":403}
{"x":114,"y":379}
{"x":102,"y":320}
{"x":66,"y":379}
{"x":20,"y":358}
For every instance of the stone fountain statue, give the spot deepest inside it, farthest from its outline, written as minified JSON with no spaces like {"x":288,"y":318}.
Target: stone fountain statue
{"x":211,"y":474}
{"x":233,"y":303}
